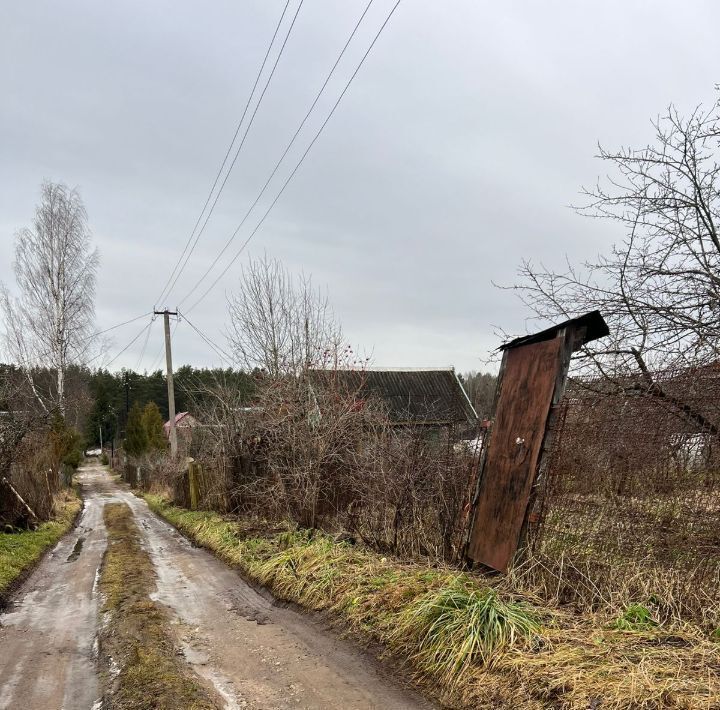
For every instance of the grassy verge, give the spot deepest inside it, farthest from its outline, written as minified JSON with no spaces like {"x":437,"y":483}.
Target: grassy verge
{"x":21,"y":551}
{"x":138,"y":651}
{"x":466,"y":639}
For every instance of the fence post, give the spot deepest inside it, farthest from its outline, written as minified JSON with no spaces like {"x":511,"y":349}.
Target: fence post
{"x":194,"y":487}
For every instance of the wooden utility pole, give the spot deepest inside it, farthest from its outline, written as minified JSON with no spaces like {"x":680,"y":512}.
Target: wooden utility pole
{"x":170,"y":385}
{"x":126,"y":384}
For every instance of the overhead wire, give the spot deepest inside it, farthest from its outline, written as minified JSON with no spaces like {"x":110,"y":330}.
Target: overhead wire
{"x":130,"y":344}
{"x":239,"y":148}
{"x":227,"y":153}
{"x":145,"y":344}
{"x":119,"y":325}
{"x":284,"y":154}
{"x":223,"y":355}
{"x":27,"y":362}
{"x":295,"y":169}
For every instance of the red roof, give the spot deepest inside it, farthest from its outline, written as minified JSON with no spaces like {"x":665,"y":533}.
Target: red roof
{"x":178,"y":418}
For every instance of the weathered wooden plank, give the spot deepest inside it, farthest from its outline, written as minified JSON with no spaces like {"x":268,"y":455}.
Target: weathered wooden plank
{"x":526,"y":393}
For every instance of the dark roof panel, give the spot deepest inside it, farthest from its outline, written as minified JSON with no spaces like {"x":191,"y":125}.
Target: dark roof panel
{"x":411,"y":396}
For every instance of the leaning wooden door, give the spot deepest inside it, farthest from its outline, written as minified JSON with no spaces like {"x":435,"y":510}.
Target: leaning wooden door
{"x":529,"y":376}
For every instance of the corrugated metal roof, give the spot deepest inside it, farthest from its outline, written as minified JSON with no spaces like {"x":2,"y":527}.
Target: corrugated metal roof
{"x":412,"y":396}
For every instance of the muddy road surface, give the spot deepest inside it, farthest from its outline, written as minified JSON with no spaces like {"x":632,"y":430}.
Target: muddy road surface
{"x":250,"y":652}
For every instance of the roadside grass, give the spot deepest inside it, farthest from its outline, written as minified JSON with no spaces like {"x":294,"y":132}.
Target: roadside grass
{"x":636,"y":617}
{"x":21,"y":550}
{"x":141,"y":663}
{"x":472,"y":641}
{"x":459,"y":625}
{"x":586,"y":558}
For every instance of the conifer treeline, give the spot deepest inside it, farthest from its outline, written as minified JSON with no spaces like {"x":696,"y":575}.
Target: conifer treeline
{"x":98,"y":398}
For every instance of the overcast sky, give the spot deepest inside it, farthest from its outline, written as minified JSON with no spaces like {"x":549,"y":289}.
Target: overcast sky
{"x":454,"y":154}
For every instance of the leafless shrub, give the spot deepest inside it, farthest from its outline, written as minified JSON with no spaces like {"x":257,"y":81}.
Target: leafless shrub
{"x":324,"y":457}
{"x":31,"y":453}
{"x":159,"y":473}
{"x":412,"y":499}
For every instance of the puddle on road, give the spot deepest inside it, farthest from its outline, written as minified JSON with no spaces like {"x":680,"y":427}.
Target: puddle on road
{"x":195,"y":656}
{"x":76,"y":550}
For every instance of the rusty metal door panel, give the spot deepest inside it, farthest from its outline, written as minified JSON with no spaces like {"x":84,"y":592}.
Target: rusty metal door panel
{"x":526,"y":392}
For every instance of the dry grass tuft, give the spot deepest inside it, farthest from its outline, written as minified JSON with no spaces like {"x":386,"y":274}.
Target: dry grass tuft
{"x":584,"y":666}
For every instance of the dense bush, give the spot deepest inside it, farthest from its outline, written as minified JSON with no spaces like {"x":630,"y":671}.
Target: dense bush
{"x":329,"y":459}
{"x":37,"y":457}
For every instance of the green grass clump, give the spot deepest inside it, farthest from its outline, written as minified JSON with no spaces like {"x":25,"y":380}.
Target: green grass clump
{"x":310,"y":570}
{"x":21,"y":550}
{"x":636,"y":617}
{"x":461,"y":624}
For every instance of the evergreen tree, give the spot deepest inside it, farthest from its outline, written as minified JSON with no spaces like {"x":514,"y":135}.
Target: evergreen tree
{"x":152,"y":422}
{"x":136,"y":441}
{"x":65,"y":442}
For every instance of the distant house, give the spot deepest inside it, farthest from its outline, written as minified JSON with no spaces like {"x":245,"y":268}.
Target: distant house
{"x":433,"y":398}
{"x":184,"y":424}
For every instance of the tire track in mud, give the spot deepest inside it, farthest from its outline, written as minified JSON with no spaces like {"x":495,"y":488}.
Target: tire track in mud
{"x":48,"y":644}
{"x":256,"y":653}
{"x":138,"y":649}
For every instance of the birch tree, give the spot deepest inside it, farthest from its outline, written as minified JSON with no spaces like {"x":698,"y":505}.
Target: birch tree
{"x":50,"y":321}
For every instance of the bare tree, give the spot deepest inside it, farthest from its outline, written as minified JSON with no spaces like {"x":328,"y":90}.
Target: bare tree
{"x":659,"y":288}
{"x":50,"y":321}
{"x":279,"y":323}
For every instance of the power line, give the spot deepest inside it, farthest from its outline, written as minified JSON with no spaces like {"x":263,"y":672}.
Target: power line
{"x":132,"y":342}
{"x":297,"y":166}
{"x":101,"y":353}
{"x":28,"y":362}
{"x":145,"y":344}
{"x":282,"y":157}
{"x":223,"y":355}
{"x":227,"y":153}
{"x":119,"y":325}
{"x":239,"y":148}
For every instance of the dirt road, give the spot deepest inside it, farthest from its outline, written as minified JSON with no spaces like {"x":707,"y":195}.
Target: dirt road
{"x":253,"y":653}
